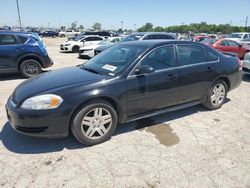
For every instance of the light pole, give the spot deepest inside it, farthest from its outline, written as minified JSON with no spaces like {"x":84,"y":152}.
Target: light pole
{"x":19,"y":17}
{"x":122,"y":22}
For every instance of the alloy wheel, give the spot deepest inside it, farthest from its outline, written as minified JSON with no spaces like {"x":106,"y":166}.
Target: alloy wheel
{"x":31,"y":68}
{"x":96,"y":123}
{"x":218,"y":94}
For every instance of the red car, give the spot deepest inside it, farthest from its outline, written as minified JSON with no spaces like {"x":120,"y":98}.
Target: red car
{"x":200,"y":38}
{"x":225,"y":45}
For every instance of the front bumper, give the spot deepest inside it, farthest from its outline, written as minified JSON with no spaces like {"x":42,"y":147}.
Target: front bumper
{"x":64,"y":48}
{"x":88,"y":53}
{"x":42,"y":123}
{"x":246,"y":67}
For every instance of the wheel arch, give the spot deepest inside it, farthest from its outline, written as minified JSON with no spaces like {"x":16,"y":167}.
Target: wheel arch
{"x":102,"y":98}
{"x":29,"y":56}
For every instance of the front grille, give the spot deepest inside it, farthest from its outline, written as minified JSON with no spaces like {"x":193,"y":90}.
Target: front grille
{"x":31,"y":129}
{"x":245,"y":69}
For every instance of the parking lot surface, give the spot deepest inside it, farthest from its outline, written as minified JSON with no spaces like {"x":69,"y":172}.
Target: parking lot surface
{"x":193,"y":147}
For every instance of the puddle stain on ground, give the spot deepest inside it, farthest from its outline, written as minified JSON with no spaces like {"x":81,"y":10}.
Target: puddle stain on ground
{"x":163,"y":132}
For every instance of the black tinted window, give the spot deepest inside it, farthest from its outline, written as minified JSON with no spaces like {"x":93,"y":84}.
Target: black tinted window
{"x":22,"y":39}
{"x":160,"y":58}
{"x":223,"y":43}
{"x":188,"y":55}
{"x":232,"y":43}
{"x":7,"y":40}
{"x":211,"y":56}
{"x":96,"y":38}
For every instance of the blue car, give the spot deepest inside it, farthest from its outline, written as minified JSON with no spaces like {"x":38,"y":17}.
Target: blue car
{"x":22,"y":52}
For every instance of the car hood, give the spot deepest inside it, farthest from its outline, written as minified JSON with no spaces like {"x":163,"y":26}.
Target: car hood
{"x":55,"y":79}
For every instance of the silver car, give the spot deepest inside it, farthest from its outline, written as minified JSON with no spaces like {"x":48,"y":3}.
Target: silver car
{"x":246,"y":64}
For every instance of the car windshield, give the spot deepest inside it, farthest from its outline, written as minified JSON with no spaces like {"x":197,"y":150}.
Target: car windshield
{"x":208,"y":41}
{"x":104,"y":42}
{"x":235,"y":35}
{"x":247,"y":39}
{"x":114,"y":60}
{"x":78,"y":38}
{"x":132,"y":37}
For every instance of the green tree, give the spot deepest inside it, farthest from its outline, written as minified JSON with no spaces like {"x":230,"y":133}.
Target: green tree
{"x":147,"y":27}
{"x":97,"y":26}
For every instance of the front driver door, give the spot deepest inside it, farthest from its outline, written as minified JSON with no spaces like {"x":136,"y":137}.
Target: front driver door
{"x":160,"y":89}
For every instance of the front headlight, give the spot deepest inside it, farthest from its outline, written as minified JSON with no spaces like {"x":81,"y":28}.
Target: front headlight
{"x":42,"y":102}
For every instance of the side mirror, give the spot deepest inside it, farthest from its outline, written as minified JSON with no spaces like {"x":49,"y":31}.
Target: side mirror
{"x":145,"y":69}
{"x":240,"y":45}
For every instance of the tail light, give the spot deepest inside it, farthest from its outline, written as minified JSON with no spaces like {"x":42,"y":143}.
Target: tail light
{"x":240,"y":64}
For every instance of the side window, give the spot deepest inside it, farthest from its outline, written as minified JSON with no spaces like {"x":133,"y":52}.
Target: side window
{"x":7,"y":40}
{"x":160,"y":58}
{"x":232,"y":43}
{"x":223,"y":43}
{"x":188,"y":54}
{"x":22,"y":39}
{"x":89,"y":39}
{"x":245,"y":36}
{"x":211,"y":56}
{"x":97,"y":38}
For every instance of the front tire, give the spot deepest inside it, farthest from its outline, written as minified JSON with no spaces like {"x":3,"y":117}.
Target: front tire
{"x":216,"y":95}
{"x":75,"y":49}
{"x":94,"y":123}
{"x":30,"y":67}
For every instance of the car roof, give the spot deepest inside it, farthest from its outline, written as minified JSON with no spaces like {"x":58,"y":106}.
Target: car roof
{"x":15,"y":32}
{"x":158,"y":42}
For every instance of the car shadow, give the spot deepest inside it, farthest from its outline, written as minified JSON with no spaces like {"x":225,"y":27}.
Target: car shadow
{"x":16,"y":76}
{"x":11,"y":76}
{"x":245,"y":78}
{"x":22,"y":144}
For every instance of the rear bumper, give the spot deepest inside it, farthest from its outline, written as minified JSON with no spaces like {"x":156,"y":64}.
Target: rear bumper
{"x":46,"y":61}
{"x":246,"y":67}
{"x":37,"y":123}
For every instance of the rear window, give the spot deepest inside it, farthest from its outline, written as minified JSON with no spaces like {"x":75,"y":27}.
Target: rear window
{"x":211,"y":56}
{"x":23,"y":39}
{"x":189,"y":55}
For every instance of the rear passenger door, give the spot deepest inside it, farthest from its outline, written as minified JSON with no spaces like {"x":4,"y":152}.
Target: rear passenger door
{"x":197,"y":71}
{"x":9,"y":50}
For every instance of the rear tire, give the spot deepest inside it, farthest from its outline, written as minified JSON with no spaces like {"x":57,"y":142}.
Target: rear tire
{"x":94,"y":123}
{"x":30,"y":67}
{"x":216,"y":95}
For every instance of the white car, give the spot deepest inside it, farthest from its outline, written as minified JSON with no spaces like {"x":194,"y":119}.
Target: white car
{"x":238,"y":36}
{"x":68,"y":33}
{"x":77,"y":43}
{"x":88,"y":51}
{"x":246,"y":64}
{"x":245,"y":43}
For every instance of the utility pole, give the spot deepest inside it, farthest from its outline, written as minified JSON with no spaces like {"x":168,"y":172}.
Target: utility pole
{"x":122,"y":22}
{"x":246,"y":23}
{"x":19,"y":17}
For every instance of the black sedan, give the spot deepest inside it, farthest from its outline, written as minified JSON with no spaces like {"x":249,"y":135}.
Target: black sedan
{"x":129,"y":81}
{"x":52,"y":34}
